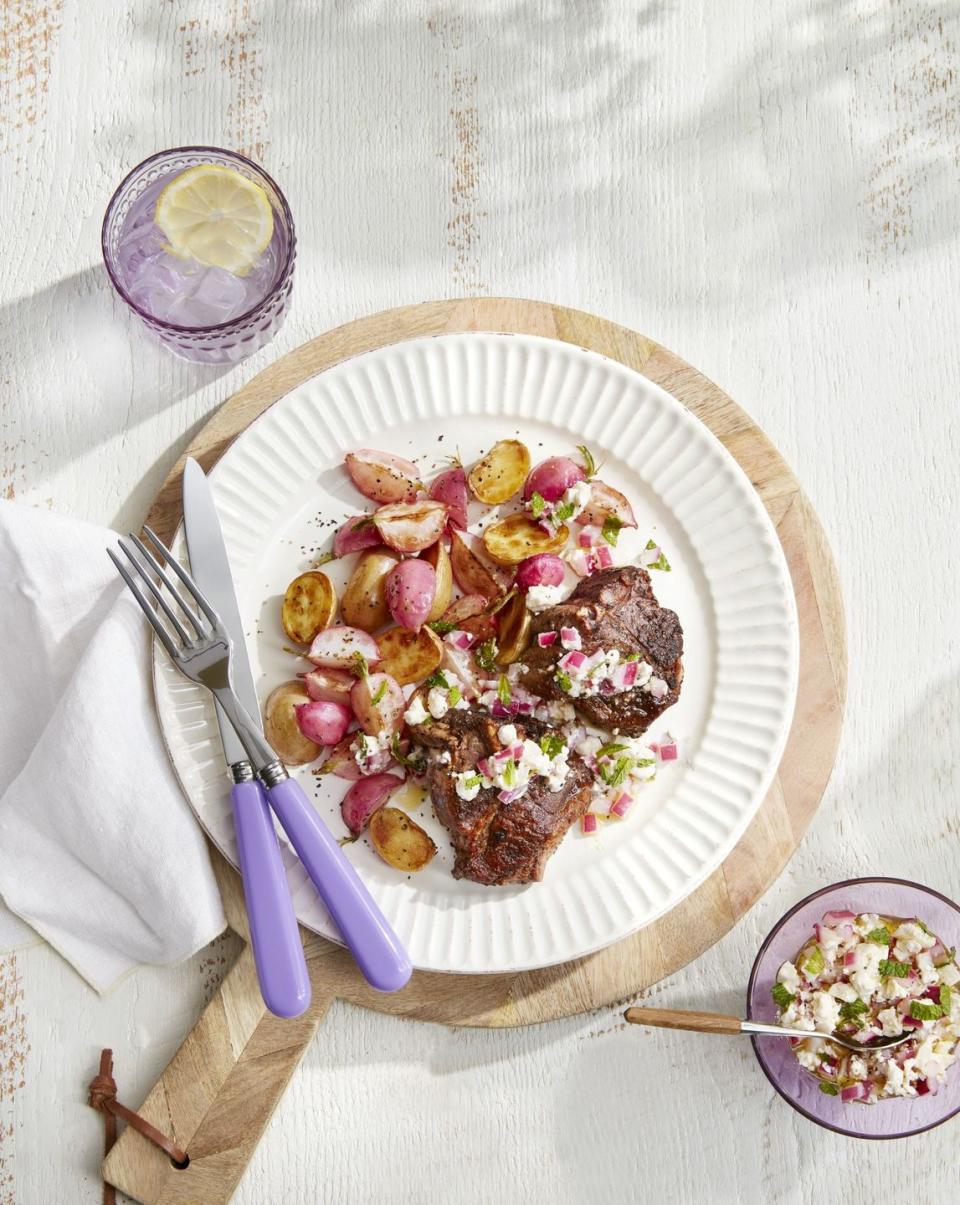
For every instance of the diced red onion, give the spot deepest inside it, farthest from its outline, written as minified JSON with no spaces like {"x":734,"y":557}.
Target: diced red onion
{"x":650,"y":556}
{"x":604,"y":556}
{"x":621,"y":805}
{"x":459,"y":639}
{"x":668,"y":751}
{"x":510,"y":796}
{"x":909,"y":1022}
{"x":570,"y":638}
{"x":590,"y":536}
{"x":525,"y":707}
{"x":545,"y":639}
{"x":582,"y":561}
{"x":625,"y":675}
{"x":922,"y":1086}
{"x":483,"y":765}
{"x":939,"y":953}
{"x":588,"y":823}
{"x":933,"y":993}
{"x":857,"y":1091}
{"x":933,"y":1086}
{"x":607,"y":687}
{"x":572,"y":660}
{"x":517,"y":751}
{"x":836,"y":918}
{"x":504,"y":711}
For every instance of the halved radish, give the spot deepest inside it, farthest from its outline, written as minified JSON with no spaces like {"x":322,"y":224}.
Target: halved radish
{"x":323,"y":722}
{"x":378,"y":703}
{"x":410,"y":590}
{"x":473,"y":568}
{"x":606,"y":501}
{"x":337,"y":647}
{"x":552,"y":478}
{"x":356,"y":534}
{"x":411,"y":526}
{"x":464,"y":607}
{"x":383,"y":476}
{"x":544,"y":569}
{"x":365,"y":797}
{"x":329,"y":685}
{"x":450,"y":488}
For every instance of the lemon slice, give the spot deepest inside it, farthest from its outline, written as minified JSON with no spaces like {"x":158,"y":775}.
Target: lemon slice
{"x":216,"y":216}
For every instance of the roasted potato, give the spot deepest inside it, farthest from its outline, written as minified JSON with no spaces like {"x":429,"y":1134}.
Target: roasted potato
{"x":409,"y":656}
{"x":516,"y":537}
{"x":364,"y":602}
{"x":400,"y":841}
{"x":473,"y":569}
{"x":513,"y":630}
{"x":439,"y":558}
{"x":281,"y":727}
{"x":309,"y":606}
{"x":501,"y":473}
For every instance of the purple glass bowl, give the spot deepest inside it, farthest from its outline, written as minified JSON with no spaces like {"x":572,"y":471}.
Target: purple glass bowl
{"x":896,"y":1118}
{"x":225,"y":342}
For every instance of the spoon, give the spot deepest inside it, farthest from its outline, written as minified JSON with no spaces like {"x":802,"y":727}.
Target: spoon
{"x":674,"y":1018}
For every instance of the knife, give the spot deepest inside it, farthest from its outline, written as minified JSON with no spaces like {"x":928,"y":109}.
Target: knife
{"x":363,"y":927}
{"x":277,"y":950}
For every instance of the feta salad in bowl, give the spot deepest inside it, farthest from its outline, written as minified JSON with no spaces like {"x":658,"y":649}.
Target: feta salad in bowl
{"x":865,"y":976}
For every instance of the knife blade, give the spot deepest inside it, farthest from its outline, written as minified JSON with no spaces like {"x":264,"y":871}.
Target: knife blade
{"x":211,"y":570}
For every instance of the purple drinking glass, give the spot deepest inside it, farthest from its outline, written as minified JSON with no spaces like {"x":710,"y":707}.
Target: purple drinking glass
{"x":898,"y":1117}
{"x":203,"y":314}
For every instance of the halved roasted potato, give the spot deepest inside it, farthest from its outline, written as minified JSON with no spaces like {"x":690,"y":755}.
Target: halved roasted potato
{"x":281,"y":727}
{"x":516,"y":537}
{"x":473,"y":569}
{"x":309,"y":606}
{"x":364,"y":602}
{"x":513,"y":630}
{"x":439,"y":558}
{"x":409,"y":656}
{"x":399,"y":840}
{"x":501,"y":473}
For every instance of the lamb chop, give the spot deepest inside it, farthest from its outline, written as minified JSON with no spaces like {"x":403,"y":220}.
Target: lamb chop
{"x":613,"y":609}
{"x":497,"y":843}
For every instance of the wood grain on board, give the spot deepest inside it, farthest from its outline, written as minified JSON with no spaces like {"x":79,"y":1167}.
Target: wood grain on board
{"x":217,"y":1094}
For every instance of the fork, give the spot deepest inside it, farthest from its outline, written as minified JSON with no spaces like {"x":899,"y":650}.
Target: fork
{"x":204,"y":657}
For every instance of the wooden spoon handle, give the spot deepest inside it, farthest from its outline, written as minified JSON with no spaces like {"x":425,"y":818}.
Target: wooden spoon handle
{"x":675,"y":1018}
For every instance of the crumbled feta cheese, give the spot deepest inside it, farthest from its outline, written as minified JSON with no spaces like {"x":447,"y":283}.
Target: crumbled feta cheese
{"x":911,"y":939}
{"x":507,"y":734}
{"x":844,"y":992}
{"x":858,"y":1068}
{"x":826,"y":1012}
{"x":438,"y":704}
{"x":889,"y":1018}
{"x":788,"y":975}
{"x":416,"y":713}
{"x":538,"y":598}
{"x":950,"y":974}
{"x":578,"y":496}
{"x":468,"y":784}
{"x":866,"y":968}
{"x":928,"y":972}
{"x":896,"y":1084}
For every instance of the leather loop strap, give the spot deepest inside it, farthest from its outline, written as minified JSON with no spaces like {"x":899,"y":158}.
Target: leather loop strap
{"x":102,"y":1095}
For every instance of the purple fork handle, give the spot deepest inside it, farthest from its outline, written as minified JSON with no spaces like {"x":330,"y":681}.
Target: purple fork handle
{"x":363,"y":927}
{"x":277,"y":949}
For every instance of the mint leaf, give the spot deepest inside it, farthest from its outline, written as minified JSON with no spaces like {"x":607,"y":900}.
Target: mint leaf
{"x":829,"y":1089}
{"x":486,"y":655}
{"x":442,"y":626}
{"x":925,"y":1010}
{"x":589,"y":464}
{"x":946,"y":998}
{"x":895,"y":970}
{"x":474,"y":780}
{"x":381,"y":691}
{"x":563,"y":680}
{"x":880,"y":937}
{"x":537,"y":504}
{"x":616,"y":775}
{"x":782,"y":995}
{"x":850,"y":1010}
{"x":504,"y":693}
{"x":438,"y":679}
{"x":510,"y":773}
{"x":552,"y":745}
{"x":611,"y":529}
{"x":359,"y":669}
{"x":562,"y":511}
{"x":454,"y":695}
{"x":815,"y":962}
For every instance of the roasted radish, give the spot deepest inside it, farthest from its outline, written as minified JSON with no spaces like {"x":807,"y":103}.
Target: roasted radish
{"x":323,"y":722}
{"x":383,"y":476}
{"x":338,"y":647}
{"x":378,"y":703}
{"x":411,"y":526}
{"x":365,"y":797}
{"x":410,"y":590}
{"x":450,"y":488}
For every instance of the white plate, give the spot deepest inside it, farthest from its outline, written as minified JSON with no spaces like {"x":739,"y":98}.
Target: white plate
{"x":281,"y":491}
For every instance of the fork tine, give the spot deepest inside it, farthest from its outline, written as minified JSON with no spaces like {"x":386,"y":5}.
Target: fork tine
{"x":158,"y":593}
{"x":183,"y":576}
{"x":163,"y":576}
{"x":148,"y":610}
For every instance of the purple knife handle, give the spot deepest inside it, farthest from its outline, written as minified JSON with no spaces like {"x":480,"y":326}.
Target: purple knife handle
{"x":277,"y":949}
{"x":363,"y":927}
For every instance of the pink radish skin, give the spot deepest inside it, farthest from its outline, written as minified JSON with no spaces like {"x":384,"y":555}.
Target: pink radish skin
{"x":465,"y":607}
{"x":606,"y":501}
{"x":410,"y":590}
{"x":329,"y":685}
{"x":450,"y":488}
{"x":324,"y":723}
{"x":386,"y":715}
{"x":355,"y":535}
{"x":544,"y":569}
{"x":337,"y":647}
{"x":365,"y":797}
{"x":411,"y":527}
{"x":382,"y":476}
{"x":552,"y":478}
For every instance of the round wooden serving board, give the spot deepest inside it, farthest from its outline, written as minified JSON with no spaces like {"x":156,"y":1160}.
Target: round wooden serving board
{"x":219,"y":1090}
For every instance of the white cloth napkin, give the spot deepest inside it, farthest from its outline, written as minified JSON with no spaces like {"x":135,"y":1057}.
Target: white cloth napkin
{"x":99,"y":851}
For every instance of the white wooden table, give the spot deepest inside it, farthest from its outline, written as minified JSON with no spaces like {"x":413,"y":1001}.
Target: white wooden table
{"x":771,"y":191}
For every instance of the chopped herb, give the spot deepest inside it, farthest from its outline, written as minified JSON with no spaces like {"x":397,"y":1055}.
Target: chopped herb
{"x":510,"y":773}
{"x":324,"y":559}
{"x":661,"y":562}
{"x":782,"y":994}
{"x":537,"y":504}
{"x":824,"y":1057}
{"x":616,"y":775}
{"x":342,"y":841}
{"x":381,"y":691}
{"x":946,"y":998}
{"x":632,"y":657}
{"x":454,"y":695}
{"x":894,"y":970}
{"x":611,"y":529}
{"x":851,"y":1010}
{"x":920,"y":925}
{"x":359,"y":669}
{"x":588,"y":462}
{"x":504,"y":693}
{"x":412,"y":763}
{"x":475,"y":780}
{"x":438,"y":679}
{"x":829,"y":1089}
{"x":925,"y":1010}
{"x":609,"y":749}
{"x":563,"y":680}
{"x":442,"y":626}
{"x":563,"y":511}
{"x":552,"y":745}
{"x":487,"y":655}
{"x":815,"y":962}
{"x":880,"y":937}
